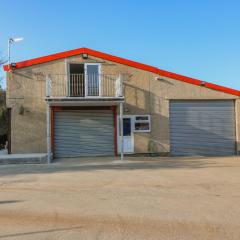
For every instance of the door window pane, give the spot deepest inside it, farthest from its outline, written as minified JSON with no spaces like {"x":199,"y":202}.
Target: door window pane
{"x":93,"y":80}
{"x":127,"y":127}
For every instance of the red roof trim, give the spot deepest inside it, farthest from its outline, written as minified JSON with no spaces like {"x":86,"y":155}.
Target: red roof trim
{"x":124,"y":61}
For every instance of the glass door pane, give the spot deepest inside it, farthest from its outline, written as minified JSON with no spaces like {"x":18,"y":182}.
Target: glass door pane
{"x":127,"y":127}
{"x":92,"y":72}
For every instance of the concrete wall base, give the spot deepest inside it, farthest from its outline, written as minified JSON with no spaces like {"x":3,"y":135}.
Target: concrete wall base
{"x":23,"y":158}
{"x":157,"y":154}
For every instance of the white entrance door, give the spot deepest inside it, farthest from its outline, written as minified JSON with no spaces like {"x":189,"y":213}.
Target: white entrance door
{"x":128,"y":138}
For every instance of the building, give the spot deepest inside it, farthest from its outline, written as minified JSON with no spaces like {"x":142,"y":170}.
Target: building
{"x":70,"y":104}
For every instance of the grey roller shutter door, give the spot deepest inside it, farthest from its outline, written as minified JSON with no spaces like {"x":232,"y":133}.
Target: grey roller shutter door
{"x":83,"y":133}
{"x":202,"y":127}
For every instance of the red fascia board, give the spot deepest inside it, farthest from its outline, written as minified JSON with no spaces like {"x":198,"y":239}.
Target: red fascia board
{"x":199,"y":82}
{"x":123,"y":61}
{"x":44,"y":59}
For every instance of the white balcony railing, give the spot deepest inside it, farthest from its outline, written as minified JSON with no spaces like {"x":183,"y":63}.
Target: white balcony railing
{"x":83,"y":86}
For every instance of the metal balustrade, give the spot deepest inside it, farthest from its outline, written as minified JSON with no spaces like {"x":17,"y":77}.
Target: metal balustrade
{"x":83,"y":86}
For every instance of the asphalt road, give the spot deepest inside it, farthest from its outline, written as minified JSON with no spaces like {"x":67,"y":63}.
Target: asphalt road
{"x":144,"y":198}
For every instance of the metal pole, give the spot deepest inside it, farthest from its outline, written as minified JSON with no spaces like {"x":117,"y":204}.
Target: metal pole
{"x":9,"y":43}
{"x":121,"y":130}
{"x":48,"y":135}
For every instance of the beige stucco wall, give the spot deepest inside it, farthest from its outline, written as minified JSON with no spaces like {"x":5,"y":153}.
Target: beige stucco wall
{"x":26,"y":90}
{"x":143,"y":95}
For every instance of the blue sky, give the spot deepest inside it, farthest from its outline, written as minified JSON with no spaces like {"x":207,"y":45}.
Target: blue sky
{"x":199,"y":39}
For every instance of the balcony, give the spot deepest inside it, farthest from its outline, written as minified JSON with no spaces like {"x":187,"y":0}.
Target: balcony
{"x":84,"y":87}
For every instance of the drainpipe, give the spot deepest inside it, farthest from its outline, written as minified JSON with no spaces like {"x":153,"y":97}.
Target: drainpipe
{"x":121,"y":129}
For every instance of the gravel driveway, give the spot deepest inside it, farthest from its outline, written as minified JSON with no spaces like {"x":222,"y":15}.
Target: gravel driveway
{"x":142,"y":198}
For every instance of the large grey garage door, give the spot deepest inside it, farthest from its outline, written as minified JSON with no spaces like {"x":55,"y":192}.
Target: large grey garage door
{"x":202,"y":128}
{"x":83,"y":133}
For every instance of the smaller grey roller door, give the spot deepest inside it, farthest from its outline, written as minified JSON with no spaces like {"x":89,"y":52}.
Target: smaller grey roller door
{"x":202,"y":127}
{"x":83,"y":133}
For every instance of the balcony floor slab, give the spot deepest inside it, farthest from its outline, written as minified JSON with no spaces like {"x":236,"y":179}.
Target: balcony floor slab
{"x":79,"y":101}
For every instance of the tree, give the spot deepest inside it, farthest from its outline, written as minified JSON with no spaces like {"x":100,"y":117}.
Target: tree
{"x":3,"y":112}
{"x":2,"y":61}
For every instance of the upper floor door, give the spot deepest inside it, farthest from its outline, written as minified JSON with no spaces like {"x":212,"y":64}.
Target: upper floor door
{"x":93,"y":79}
{"x":76,"y":85}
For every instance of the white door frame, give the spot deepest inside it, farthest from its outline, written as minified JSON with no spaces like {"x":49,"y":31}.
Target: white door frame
{"x":99,"y":79}
{"x":132,"y":133}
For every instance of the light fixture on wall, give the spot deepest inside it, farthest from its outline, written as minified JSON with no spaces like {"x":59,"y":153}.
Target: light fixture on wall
{"x":158,"y":78}
{"x":84,"y":55}
{"x":13,"y":65}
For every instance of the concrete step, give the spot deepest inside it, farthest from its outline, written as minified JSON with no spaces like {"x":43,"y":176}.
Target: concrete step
{"x":23,"y":158}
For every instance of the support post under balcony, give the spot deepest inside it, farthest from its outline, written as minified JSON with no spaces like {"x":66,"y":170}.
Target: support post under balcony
{"x":49,"y":152}
{"x":121,"y":130}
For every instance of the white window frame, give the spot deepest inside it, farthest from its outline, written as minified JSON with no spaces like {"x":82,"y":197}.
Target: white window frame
{"x":142,"y":121}
{"x":99,"y":79}
{"x":67,"y":63}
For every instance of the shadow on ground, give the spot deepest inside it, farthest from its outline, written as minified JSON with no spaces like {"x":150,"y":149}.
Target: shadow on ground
{"x":38,"y":232}
{"x":132,"y":163}
{"x":9,"y":201}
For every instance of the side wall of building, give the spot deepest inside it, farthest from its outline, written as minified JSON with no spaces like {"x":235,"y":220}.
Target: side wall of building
{"x":26,"y":98}
{"x":143,"y":94}
{"x":238,"y":124}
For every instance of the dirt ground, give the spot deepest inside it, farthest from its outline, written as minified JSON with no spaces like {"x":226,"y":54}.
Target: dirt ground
{"x":141,"y":198}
